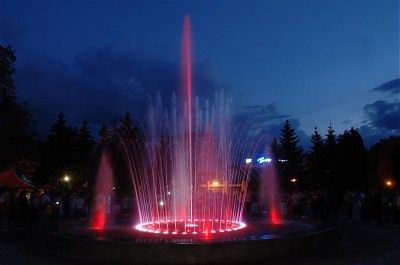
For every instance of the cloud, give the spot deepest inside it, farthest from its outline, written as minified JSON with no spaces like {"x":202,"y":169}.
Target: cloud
{"x":264,"y":122}
{"x":10,"y":31}
{"x":101,"y":84}
{"x":372,"y":135}
{"x":258,"y":116}
{"x":384,"y":114}
{"x":392,"y":87}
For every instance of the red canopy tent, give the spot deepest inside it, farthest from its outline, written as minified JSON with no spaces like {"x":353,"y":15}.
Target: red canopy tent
{"x":13,"y":179}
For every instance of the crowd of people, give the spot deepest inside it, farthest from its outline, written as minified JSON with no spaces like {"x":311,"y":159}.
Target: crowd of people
{"x":40,"y":207}
{"x":355,"y":206}
{"x":46,"y":208}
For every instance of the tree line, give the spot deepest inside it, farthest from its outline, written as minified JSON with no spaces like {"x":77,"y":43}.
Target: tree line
{"x":66,"y":150}
{"x":339,"y":161}
{"x":336,"y":161}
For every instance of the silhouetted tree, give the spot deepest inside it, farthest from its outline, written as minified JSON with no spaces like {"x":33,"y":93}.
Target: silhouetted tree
{"x":275,"y":149}
{"x":330,"y":138}
{"x":103,"y":131}
{"x":126,"y":121}
{"x":292,"y":152}
{"x":316,"y":161}
{"x":396,"y":163}
{"x":68,"y":150}
{"x":16,"y":137}
{"x":384,"y":161}
{"x":85,"y":145}
{"x":350,"y":162}
{"x":330,"y":155}
{"x":85,"y":138}
{"x":60,"y":150}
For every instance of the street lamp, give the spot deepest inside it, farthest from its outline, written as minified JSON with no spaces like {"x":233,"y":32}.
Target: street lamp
{"x":293,"y":180}
{"x":215,"y":184}
{"x":66,"y":178}
{"x":389,"y":183}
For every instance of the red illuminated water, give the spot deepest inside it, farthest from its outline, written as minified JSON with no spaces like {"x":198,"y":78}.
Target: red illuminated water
{"x":188,"y":175}
{"x":187,"y":169}
{"x":104,"y":190}
{"x":269,"y":193}
{"x":186,"y":73}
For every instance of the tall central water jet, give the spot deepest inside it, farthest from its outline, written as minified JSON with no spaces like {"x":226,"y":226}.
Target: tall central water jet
{"x":186,"y":74}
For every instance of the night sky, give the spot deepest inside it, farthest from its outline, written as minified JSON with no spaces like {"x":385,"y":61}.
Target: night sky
{"x":313,"y":62}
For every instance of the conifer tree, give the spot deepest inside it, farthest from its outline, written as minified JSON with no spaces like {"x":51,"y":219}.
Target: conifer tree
{"x":17,"y":139}
{"x":103,"y":131}
{"x":292,"y":152}
{"x":316,"y":160}
{"x":330,"y":155}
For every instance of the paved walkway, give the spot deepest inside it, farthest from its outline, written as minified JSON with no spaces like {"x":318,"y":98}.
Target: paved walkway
{"x":362,"y":244}
{"x":357,"y":245}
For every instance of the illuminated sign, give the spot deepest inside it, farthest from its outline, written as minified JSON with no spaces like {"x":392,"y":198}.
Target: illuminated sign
{"x":263,"y":159}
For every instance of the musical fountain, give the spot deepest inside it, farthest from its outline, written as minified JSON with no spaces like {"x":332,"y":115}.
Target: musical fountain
{"x":190,"y":183}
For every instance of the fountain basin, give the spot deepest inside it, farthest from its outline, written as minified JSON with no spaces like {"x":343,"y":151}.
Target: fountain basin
{"x":123,"y":245}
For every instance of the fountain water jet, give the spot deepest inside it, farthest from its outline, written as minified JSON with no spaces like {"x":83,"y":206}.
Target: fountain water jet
{"x":189,"y":180}
{"x":186,"y":74}
{"x":104,"y":188}
{"x":270,"y":192}
{"x":187,"y":175}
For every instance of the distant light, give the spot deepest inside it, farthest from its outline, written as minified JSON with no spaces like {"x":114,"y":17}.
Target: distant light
{"x":169,"y":193}
{"x":57,"y":202}
{"x":161,"y":203}
{"x":248,"y":160}
{"x":113,"y":188}
{"x":215,"y":184}
{"x":263,"y":159}
{"x":389,"y":183}
{"x":293,"y":180}
{"x":66,"y":178}
{"x":283,"y":160}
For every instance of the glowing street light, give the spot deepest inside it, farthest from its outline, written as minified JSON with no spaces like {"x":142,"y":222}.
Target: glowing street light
{"x":248,"y":160}
{"x":293,"y":180}
{"x":161,"y":203}
{"x":215,"y":184}
{"x":389,"y":183}
{"x":66,"y":178}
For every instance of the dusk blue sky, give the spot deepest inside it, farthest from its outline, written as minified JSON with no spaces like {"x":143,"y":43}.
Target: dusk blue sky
{"x":314,"y":62}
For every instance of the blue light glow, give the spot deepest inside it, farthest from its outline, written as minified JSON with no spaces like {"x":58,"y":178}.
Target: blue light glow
{"x":263,"y":159}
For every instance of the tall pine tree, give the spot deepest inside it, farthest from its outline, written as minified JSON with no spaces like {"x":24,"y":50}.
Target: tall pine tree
{"x":16,"y":137}
{"x":330,"y":147}
{"x":316,"y":163}
{"x":292,"y":152}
